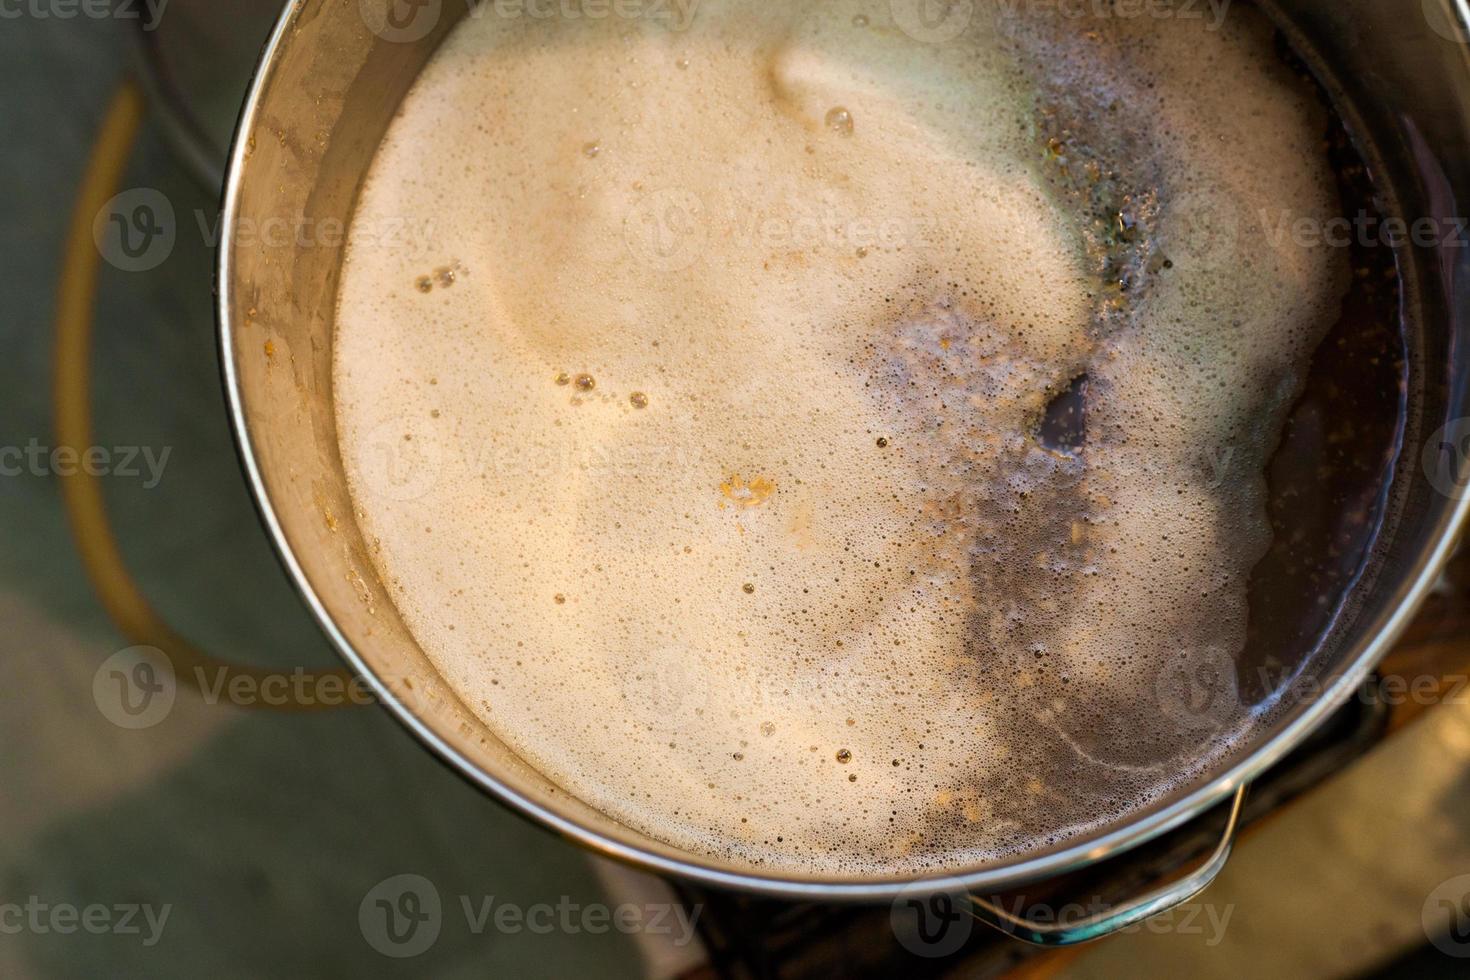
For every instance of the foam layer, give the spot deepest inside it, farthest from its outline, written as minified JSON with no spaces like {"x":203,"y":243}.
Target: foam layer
{"x":698,"y":443}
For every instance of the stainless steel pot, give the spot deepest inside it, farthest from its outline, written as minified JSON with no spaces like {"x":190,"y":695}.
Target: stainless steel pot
{"x":330,"y":80}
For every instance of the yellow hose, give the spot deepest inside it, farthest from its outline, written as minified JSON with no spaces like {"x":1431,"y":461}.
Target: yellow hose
{"x":81,"y":491}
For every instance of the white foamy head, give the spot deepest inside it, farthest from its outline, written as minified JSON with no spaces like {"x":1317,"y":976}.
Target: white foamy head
{"x":721,"y":376}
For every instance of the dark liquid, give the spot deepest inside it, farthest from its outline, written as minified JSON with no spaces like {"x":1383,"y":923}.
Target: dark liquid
{"x":1329,"y":479}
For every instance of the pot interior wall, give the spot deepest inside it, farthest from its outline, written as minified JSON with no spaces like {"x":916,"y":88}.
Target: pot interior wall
{"x":324,"y":102}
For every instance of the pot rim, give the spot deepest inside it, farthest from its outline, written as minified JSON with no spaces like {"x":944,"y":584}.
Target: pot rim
{"x":1084,"y":851}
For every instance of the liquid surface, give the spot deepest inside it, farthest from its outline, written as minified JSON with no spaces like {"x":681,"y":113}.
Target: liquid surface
{"x":827,"y":445}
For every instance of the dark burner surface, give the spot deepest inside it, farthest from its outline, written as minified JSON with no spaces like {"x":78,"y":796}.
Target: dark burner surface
{"x":761,"y":938}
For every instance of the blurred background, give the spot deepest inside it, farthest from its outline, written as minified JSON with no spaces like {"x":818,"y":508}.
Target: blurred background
{"x":217,"y":840}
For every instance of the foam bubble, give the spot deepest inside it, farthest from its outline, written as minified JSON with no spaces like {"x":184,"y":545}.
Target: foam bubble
{"x":790,"y":578}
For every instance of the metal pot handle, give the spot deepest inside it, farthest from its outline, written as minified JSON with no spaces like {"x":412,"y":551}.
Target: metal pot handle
{"x":1122,"y":916}
{"x":81,"y":489}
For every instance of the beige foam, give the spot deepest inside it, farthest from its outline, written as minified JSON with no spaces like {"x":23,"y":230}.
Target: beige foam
{"x":683,"y":613}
